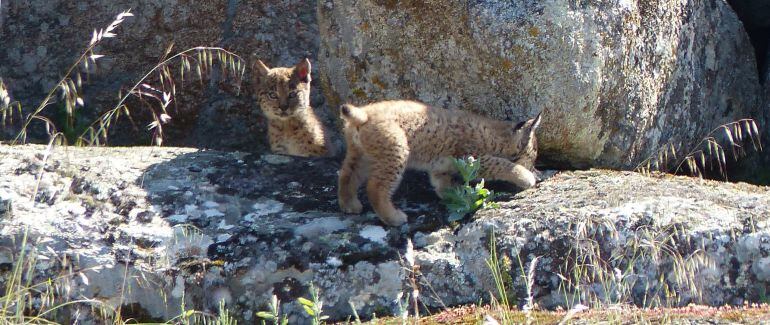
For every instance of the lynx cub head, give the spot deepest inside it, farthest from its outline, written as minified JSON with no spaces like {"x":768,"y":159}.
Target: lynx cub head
{"x":523,"y":149}
{"x":283,"y":92}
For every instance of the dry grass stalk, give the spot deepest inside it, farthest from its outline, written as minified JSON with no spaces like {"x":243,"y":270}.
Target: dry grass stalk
{"x":592,"y":278}
{"x":156,"y":97}
{"x":69,"y":87}
{"x":8,"y":107}
{"x":529,"y":278}
{"x":162,"y":94}
{"x":708,"y":153}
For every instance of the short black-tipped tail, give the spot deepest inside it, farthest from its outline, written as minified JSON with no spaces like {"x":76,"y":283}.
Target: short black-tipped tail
{"x":353,"y":115}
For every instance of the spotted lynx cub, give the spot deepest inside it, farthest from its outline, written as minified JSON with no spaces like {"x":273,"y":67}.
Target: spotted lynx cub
{"x":385,"y":138}
{"x":292,"y":126}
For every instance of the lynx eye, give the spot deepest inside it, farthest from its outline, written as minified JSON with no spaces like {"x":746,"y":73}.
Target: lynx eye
{"x":272,"y":95}
{"x":292,"y":94}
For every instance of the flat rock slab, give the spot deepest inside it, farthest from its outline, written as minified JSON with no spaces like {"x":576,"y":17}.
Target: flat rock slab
{"x":181,"y":225}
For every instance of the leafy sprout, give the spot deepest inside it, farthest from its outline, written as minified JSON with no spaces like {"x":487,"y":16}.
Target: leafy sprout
{"x":466,"y":199}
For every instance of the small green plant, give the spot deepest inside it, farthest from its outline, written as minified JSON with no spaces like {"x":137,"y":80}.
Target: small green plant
{"x":465,"y":199}
{"x":314,"y":307}
{"x":274,"y":314}
{"x":224,"y":317}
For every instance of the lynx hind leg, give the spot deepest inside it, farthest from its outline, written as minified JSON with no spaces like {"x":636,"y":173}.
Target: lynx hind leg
{"x":441,"y":173}
{"x":387,"y":169}
{"x":495,"y":168}
{"x":352,"y":176}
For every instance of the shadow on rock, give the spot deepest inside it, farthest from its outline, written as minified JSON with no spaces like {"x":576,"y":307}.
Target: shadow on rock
{"x":270,"y":224}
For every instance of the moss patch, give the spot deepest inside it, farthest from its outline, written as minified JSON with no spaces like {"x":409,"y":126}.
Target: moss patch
{"x":360,"y":93}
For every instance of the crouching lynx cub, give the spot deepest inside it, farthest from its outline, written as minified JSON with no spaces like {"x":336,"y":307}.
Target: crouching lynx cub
{"x":385,"y":138}
{"x":292,"y":126}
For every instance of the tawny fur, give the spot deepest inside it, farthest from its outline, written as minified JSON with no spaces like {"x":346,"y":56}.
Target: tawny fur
{"x":292,"y":126}
{"x":385,"y":138}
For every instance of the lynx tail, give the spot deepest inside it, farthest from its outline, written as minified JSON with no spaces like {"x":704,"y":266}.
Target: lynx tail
{"x":353,"y":115}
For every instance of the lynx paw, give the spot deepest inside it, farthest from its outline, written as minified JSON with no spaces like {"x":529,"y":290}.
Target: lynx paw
{"x":528,"y":181}
{"x":352,"y":207}
{"x":523,"y":177}
{"x":395,"y":219}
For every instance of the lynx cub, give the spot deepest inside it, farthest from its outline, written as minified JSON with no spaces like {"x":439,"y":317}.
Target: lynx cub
{"x":292,"y":126}
{"x":385,"y":138}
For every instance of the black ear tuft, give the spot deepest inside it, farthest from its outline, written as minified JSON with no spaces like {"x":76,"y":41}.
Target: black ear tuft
{"x":345,"y":109}
{"x":536,"y":121}
{"x":519,"y":125}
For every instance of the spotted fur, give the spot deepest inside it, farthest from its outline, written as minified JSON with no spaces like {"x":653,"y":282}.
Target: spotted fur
{"x":385,"y":138}
{"x":292,"y":126}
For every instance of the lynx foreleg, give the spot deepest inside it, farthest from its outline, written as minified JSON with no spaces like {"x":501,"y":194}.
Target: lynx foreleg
{"x":441,"y":173}
{"x":495,"y":168}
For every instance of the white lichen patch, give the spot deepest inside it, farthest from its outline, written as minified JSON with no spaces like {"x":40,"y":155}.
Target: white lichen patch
{"x":177,"y":218}
{"x":702,"y":215}
{"x":374,"y":233}
{"x":386,"y":289}
{"x":192,"y":211}
{"x":155,"y":229}
{"x":210,"y":205}
{"x":276,"y":159}
{"x":266,"y":206}
{"x":333,"y":261}
{"x":223,"y":225}
{"x":321,"y":226}
{"x":213,"y":213}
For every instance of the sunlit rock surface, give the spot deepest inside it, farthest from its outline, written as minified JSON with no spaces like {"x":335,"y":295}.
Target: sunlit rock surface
{"x":178,"y":225}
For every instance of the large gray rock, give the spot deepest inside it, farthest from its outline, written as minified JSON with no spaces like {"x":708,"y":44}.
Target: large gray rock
{"x":42,"y":38}
{"x":616,"y":79}
{"x":204,"y":226}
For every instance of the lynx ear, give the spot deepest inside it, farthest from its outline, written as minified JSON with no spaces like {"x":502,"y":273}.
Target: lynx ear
{"x":260,"y":71}
{"x":302,"y":70}
{"x":528,"y":125}
{"x":536,"y":121}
